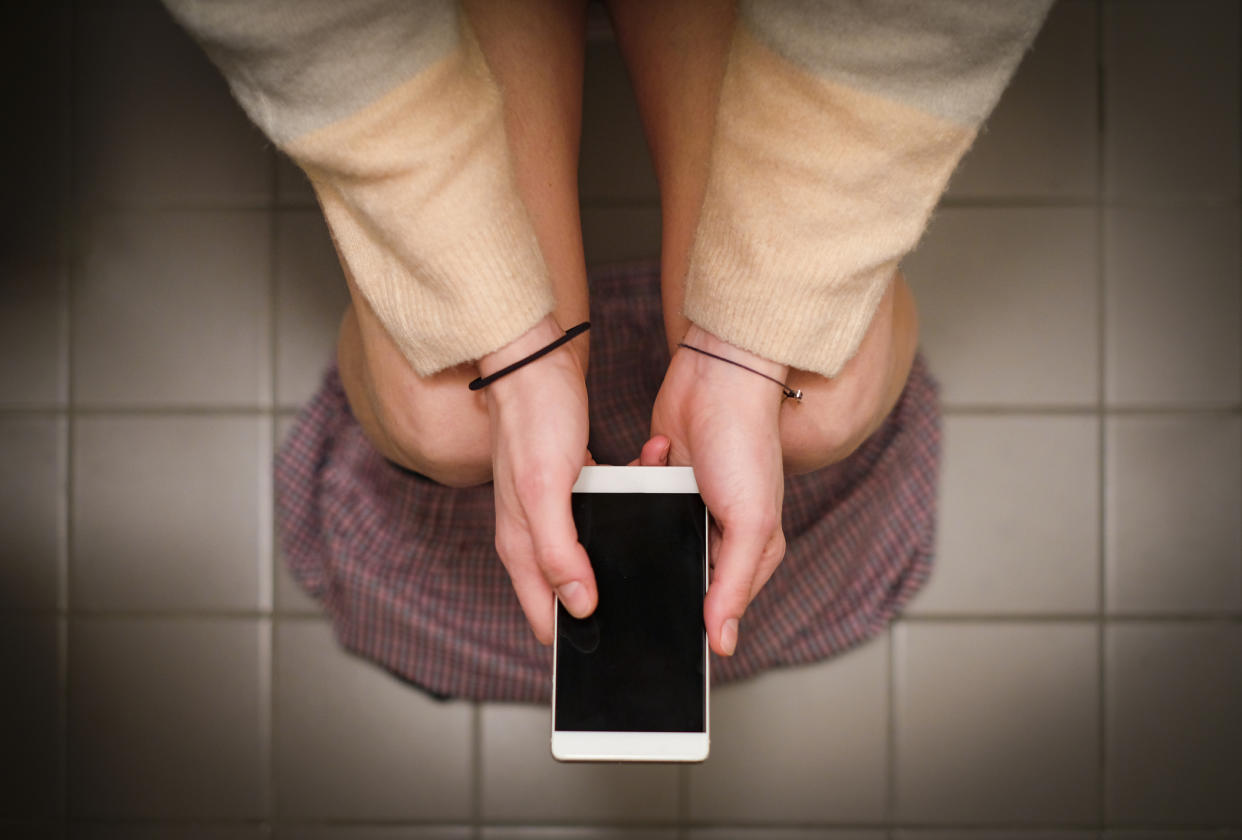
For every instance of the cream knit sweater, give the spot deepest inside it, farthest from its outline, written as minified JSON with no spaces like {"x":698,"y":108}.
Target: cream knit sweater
{"x":838,"y":127}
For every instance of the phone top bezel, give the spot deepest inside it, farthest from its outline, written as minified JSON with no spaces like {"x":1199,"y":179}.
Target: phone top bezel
{"x":577,"y":745}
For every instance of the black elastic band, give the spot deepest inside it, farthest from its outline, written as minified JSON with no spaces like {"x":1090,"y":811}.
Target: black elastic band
{"x":791,"y":393}
{"x":572,"y":332}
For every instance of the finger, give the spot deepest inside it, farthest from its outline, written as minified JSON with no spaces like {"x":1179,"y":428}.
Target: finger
{"x":533,"y":593}
{"x":561,"y":559}
{"x":654,"y":453}
{"x":737,"y":561}
{"x":590,"y":459}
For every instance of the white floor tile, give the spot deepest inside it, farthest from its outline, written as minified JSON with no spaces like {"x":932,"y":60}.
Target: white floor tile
{"x":574,"y":833}
{"x":32,"y":706}
{"x":34,"y":317}
{"x":1174,"y":746}
{"x":992,"y":834}
{"x":154,"y":120}
{"x":32,"y":510}
{"x":167,"y":719}
{"x":168,"y":831}
{"x":172,"y":309}
{"x":799,"y":745}
{"x":614,"y":164}
{"x":997,"y":723}
{"x":1177,"y":834}
{"x":1171,"y":73}
{"x":352,"y":742}
{"x":293,"y":189}
{"x":1173,"y":513}
{"x":1174,"y":306}
{"x":521,"y":782}
{"x":1019,"y":517}
{"x":311,"y":297}
{"x":785,"y":834}
{"x":170,"y":512}
{"x":1041,"y":139}
{"x":613,"y":234}
{"x":1008,"y":304}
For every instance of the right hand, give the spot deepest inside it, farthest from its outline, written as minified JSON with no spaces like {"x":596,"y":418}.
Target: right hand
{"x":538,"y":425}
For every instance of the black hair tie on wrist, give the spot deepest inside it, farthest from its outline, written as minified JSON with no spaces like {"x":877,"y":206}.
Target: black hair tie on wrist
{"x":790,"y":393}
{"x":571,"y":333}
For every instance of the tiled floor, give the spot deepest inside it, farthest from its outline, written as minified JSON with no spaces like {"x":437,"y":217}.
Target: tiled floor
{"x":1072,"y":671}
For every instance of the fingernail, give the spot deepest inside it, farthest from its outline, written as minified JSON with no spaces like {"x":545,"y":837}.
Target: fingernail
{"x":728,"y":636}
{"x":574,"y":596}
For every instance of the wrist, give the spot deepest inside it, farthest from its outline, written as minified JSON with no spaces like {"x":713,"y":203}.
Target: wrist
{"x":698,"y":337}
{"x":557,"y":361}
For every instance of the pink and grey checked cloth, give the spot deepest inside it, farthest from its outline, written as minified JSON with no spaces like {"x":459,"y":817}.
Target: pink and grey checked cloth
{"x":407,"y":570}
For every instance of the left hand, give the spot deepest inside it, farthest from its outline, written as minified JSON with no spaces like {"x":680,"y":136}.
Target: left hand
{"x":724,"y":421}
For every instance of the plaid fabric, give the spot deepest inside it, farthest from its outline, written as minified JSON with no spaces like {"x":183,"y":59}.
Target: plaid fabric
{"x":407,"y":571}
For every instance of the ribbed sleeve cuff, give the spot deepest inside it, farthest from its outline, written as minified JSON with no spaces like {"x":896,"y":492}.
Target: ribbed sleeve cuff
{"x":815,"y":192}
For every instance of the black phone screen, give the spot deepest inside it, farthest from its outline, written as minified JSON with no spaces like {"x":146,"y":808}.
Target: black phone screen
{"x":637,"y":663}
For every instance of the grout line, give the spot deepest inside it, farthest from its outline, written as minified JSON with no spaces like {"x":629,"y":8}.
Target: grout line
{"x":950,"y":410}
{"x":476,"y":769}
{"x":890,"y":792}
{"x":270,"y":554}
{"x":604,"y":202}
{"x":1101,"y":792}
{"x":68,"y":238}
{"x":309,"y":616}
{"x":1097,"y":409}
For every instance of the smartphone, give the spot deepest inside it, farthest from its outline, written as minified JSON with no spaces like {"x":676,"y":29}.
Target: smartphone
{"x":630,"y":682}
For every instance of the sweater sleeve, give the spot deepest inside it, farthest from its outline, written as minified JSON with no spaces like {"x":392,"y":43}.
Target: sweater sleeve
{"x":391,"y":110}
{"x":837,"y":129}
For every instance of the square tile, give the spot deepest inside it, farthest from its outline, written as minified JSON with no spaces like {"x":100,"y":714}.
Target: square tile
{"x":1172,"y":835}
{"x":167,"y":831}
{"x":34,"y":53}
{"x":34,"y":318}
{"x":992,"y":834}
{"x":997,"y":723}
{"x":372,"y":832}
{"x":568,"y":833}
{"x":32,"y":511}
{"x":1019,"y":525}
{"x":172,"y":309}
{"x":168,"y":718}
{"x":311,"y":297}
{"x":1174,"y":738}
{"x":171,"y":512}
{"x":614,"y":164}
{"x":617,"y":234}
{"x":351,"y":742}
{"x":1174,"y":513}
{"x":1171,"y":83}
{"x":778,"y":758}
{"x":1174,"y":317}
{"x":785,"y":834}
{"x":293,"y":188}
{"x":1041,"y":139}
{"x":1008,"y":304}
{"x":154,"y":121}
{"x":521,"y":782}
{"x":290,"y":597}
{"x":32,"y":705}
{"x":33,"y":831}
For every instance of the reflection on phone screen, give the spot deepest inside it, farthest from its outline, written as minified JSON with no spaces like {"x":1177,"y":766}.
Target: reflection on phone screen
{"x":637,"y":663}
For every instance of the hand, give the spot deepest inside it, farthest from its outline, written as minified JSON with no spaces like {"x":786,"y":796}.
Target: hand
{"x":724,"y":421}
{"x":538,"y":418}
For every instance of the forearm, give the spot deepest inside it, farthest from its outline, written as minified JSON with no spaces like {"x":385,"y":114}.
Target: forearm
{"x":838,"y":126}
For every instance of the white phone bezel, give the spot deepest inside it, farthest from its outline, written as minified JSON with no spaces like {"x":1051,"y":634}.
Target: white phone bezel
{"x":573,"y":745}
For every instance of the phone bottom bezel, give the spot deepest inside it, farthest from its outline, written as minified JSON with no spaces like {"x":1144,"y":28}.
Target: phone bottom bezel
{"x":629,"y":746}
